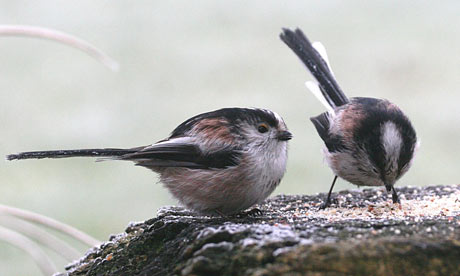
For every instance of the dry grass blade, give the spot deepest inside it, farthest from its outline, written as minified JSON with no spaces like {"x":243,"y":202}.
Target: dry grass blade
{"x":51,"y":223}
{"x":39,"y":256}
{"x":41,"y":236}
{"x":40,"y":32}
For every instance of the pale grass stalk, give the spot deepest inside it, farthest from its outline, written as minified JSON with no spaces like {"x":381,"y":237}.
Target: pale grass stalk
{"x":39,"y":256}
{"x":41,"y":236}
{"x":40,"y":32}
{"x":51,"y":223}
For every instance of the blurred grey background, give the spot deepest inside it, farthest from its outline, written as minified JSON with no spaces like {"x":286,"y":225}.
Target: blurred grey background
{"x":181,"y":58}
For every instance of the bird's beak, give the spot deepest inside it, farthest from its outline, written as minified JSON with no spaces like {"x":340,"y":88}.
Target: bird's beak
{"x":284,"y":135}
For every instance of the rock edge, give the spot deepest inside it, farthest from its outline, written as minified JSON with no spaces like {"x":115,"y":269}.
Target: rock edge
{"x":362,"y":234}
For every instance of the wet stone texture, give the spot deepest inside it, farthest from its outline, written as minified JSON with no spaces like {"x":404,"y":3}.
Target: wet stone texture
{"x":362,"y":233}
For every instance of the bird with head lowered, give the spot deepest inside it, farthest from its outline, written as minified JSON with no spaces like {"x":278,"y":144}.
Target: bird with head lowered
{"x":369,"y":142}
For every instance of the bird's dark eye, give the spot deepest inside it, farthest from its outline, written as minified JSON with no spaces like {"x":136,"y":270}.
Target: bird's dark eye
{"x":262,"y":128}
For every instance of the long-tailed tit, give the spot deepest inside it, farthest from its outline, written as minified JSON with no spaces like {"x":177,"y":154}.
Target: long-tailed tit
{"x":369,"y":142}
{"x":220,"y":162}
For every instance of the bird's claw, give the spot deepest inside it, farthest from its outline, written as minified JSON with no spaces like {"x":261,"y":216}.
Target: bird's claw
{"x":255,"y":212}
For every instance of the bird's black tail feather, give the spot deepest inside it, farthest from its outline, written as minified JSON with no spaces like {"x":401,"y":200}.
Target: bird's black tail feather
{"x":70,"y":153}
{"x":299,"y":43}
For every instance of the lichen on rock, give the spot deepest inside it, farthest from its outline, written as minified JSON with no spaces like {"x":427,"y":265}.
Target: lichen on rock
{"x":363,"y":233}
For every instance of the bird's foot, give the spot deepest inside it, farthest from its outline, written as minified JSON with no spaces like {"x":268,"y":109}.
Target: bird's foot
{"x":325,"y":204}
{"x":254,"y":212}
{"x":394,"y":196}
{"x":328,"y":203}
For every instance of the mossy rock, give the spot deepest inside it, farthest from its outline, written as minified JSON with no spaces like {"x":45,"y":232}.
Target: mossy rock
{"x":362,"y":233}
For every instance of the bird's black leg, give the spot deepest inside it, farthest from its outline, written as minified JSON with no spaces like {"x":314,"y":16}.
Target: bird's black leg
{"x":394,"y":195}
{"x":328,"y":200}
{"x":218,"y":212}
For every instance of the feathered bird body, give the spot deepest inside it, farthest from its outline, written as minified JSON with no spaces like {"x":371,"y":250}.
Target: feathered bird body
{"x":369,"y":142}
{"x":221,"y":162}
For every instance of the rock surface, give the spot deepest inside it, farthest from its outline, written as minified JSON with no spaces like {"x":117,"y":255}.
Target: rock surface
{"x":363,"y":233}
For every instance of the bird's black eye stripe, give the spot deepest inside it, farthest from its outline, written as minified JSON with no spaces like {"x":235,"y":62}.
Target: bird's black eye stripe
{"x":262,"y":128}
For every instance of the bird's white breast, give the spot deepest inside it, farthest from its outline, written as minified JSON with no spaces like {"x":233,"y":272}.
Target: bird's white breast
{"x":269,"y":168}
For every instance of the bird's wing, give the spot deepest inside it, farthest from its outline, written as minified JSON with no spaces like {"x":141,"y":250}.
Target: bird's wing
{"x":322,"y":124}
{"x":183,"y":152}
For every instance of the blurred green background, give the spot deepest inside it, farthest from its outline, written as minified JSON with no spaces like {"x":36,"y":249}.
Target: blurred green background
{"x":181,"y":58}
